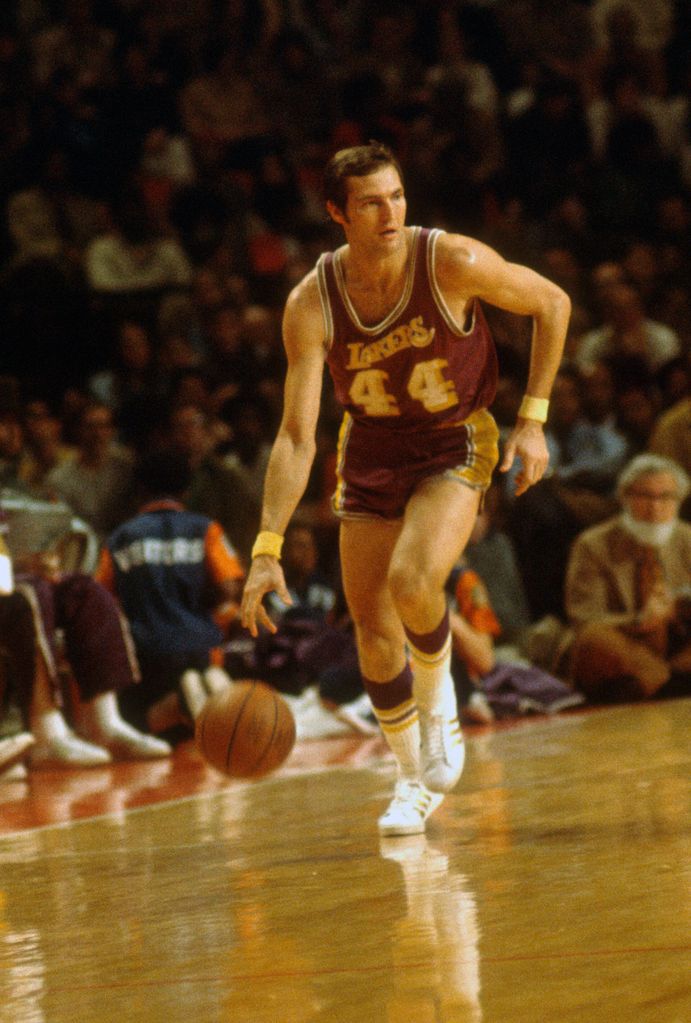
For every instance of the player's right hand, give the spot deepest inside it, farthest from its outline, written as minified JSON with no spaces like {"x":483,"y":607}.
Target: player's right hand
{"x":265,"y":576}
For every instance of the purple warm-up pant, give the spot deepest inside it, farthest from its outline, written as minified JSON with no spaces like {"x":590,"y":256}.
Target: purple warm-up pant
{"x":96,"y":638}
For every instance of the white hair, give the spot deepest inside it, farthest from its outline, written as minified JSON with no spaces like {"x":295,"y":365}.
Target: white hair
{"x":647,"y":464}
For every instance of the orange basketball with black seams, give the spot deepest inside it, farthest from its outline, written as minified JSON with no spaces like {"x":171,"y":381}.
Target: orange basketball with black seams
{"x":247,"y":731}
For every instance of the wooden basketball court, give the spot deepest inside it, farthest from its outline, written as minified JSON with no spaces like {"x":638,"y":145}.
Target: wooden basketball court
{"x":553,"y":885}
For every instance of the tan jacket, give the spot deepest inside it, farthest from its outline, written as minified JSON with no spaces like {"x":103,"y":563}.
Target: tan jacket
{"x":601,"y":574}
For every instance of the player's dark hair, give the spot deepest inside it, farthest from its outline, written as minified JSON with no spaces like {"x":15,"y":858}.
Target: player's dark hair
{"x":357,"y":162}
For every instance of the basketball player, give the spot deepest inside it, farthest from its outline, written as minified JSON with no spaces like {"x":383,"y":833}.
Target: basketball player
{"x":395,"y":314}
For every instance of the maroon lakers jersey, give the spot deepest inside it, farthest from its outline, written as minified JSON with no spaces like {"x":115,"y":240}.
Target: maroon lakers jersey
{"x":418,"y":367}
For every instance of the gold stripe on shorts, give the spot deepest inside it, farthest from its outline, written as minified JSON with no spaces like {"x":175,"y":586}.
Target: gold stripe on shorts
{"x":338,"y":499}
{"x":483,"y":451}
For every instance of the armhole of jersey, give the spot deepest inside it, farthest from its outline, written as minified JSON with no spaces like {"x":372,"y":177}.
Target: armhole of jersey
{"x":325,"y":302}
{"x":439,"y":299}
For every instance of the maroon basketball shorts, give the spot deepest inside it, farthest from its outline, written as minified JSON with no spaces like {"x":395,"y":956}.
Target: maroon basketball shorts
{"x":379,"y":468}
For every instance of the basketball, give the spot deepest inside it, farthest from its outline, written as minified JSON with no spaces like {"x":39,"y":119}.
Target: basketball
{"x":247,"y":731}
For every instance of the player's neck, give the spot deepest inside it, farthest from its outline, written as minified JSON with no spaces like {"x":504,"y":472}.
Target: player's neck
{"x":365,"y":270}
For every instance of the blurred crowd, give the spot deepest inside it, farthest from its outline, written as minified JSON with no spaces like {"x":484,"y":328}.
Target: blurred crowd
{"x":160,"y":190}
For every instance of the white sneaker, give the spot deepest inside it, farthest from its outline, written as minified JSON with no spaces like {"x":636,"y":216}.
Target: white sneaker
{"x":409,"y":809}
{"x":193,"y":693}
{"x":359,"y":715}
{"x":216,"y":680}
{"x":134,"y":745}
{"x":13,"y":749}
{"x":68,"y":751}
{"x":478,"y":709}
{"x":442,"y":751}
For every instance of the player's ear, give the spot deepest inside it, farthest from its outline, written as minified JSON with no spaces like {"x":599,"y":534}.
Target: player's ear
{"x":336,"y":213}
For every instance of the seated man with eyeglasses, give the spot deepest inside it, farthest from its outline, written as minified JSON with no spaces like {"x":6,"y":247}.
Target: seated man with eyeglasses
{"x":628,"y":590}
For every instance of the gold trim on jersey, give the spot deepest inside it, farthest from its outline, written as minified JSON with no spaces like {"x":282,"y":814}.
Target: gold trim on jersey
{"x":400,"y":305}
{"x":325,"y":303}
{"x":439,"y":299}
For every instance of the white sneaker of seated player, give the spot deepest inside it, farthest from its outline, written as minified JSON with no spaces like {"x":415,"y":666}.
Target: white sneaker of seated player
{"x":359,"y":715}
{"x":129,"y":744}
{"x":216,"y":680}
{"x":478,"y":709}
{"x":13,"y":750}
{"x":57,"y":746}
{"x":103,"y":724}
{"x":68,"y":750}
{"x":193,"y":692}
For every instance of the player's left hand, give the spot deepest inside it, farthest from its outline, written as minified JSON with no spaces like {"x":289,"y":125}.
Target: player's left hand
{"x":527,"y":443}
{"x":264,"y":576}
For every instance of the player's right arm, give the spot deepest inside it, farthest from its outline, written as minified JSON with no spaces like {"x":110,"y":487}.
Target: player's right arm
{"x":294,"y":448}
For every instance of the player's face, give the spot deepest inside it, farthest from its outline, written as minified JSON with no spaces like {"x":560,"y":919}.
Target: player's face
{"x":375,"y":210}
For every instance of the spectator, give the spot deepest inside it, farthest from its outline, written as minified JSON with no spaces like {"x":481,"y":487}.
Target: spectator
{"x":231,"y":363}
{"x":223,"y":114}
{"x":557,"y":36}
{"x":170,"y":570}
{"x":474,"y":627}
{"x":584,"y":459}
{"x":15,"y":631}
{"x":11,"y":436}
{"x":250,"y":445}
{"x":165,"y":166}
{"x":491,"y":682}
{"x":674,"y":381}
{"x":44,"y":449}
{"x":490,"y":553}
{"x":77,"y":43}
{"x":630,"y":35}
{"x":96,"y":484}
{"x":636,"y":403}
{"x":93,"y":644}
{"x":299,"y":94}
{"x":587,"y":452}
{"x":555,"y":122}
{"x":98,"y":658}
{"x":41,"y":295}
{"x":671,"y":436}
{"x":132,"y":384}
{"x":627,"y":590}
{"x":135,"y":258}
{"x":627,"y":330}
{"x":215,"y":490}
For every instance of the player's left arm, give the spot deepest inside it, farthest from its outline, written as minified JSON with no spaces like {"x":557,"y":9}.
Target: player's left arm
{"x":468,"y":269}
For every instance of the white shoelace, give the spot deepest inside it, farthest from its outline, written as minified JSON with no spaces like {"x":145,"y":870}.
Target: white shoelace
{"x":434,"y":733}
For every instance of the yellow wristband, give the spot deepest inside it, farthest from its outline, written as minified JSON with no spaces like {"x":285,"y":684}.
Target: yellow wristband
{"x":268,"y":543}
{"x":534,"y":408}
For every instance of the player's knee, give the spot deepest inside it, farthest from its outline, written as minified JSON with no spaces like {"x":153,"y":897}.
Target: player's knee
{"x":377,"y":644}
{"x":411,"y":586}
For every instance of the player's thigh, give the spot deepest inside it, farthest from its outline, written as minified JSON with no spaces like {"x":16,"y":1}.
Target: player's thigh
{"x":366,"y":546}
{"x":438,"y":521}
